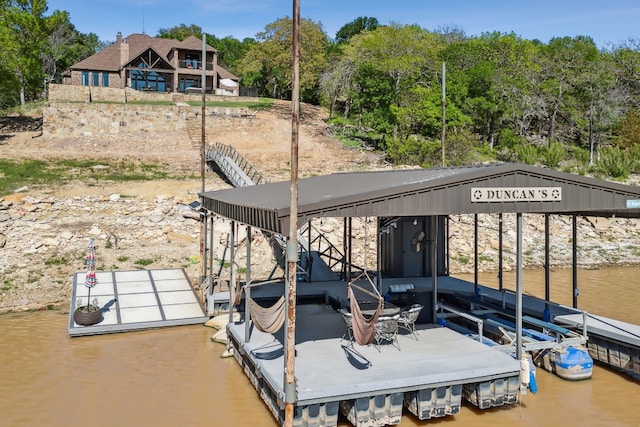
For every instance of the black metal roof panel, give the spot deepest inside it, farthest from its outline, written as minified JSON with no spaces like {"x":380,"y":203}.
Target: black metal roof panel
{"x":415,"y":192}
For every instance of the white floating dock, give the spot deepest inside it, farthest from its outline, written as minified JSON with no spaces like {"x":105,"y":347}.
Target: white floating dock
{"x":135,"y":300}
{"x":428,"y":376}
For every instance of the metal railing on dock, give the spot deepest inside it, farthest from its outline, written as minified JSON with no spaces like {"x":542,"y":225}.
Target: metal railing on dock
{"x":239,"y":172}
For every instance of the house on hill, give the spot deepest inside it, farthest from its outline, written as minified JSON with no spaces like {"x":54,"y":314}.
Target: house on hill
{"x":154,"y":64}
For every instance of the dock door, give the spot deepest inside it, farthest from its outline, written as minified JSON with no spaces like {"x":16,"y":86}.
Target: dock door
{"x":406,"y":246}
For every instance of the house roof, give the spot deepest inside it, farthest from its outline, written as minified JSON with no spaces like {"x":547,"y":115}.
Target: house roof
{"x":496,"y":188}
{"x":108,"y":59}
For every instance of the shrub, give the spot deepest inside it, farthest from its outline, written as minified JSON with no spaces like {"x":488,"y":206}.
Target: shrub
{"x":615,"y":162}
{"x":554,"y":154}
{"x":507,"y":138}
{"x":527,"y":153}
{"x":415,"y":152}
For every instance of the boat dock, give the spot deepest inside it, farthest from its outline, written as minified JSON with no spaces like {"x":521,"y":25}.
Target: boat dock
{"x":136,"y":300}
{"x":412,"y":209}
{"x":429,"y":376}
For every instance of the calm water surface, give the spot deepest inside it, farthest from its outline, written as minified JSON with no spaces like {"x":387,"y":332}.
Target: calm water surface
{"x":175,"y":376}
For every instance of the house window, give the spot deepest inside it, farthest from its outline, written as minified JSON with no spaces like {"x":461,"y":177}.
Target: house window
{"x":85,"y":78}
{"x":184,"y":83}
{"x":96,"y":79}
{"x":148,"y":81}
{"x":105,"y":79}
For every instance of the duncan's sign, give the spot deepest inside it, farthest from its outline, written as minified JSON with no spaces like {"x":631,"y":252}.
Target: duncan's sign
{"x":516,"y":194}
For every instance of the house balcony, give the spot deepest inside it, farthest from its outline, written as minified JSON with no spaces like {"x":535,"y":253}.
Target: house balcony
{"x":194,"y":67}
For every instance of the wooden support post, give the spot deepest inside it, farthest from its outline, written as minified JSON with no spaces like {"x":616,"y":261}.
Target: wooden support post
{"x":290,"y":392}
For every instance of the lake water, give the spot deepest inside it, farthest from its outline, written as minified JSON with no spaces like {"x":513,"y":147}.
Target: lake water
{"x":175,"y":376}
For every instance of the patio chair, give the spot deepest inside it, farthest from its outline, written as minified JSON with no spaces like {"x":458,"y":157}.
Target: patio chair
{"x":348,"y":321}
{"x":387,"y":330}
{"x":408,"y":319}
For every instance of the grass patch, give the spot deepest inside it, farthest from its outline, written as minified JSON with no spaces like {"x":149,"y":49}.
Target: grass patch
{"x":17,"y":173}
{"x":55,"y":260}
{"x":143,"y":262}
{"x":123,"y":258}
{"x":485,"y":258}
{"x":261,"y":104}
{"x":158,"y":102}
{"x":7,"y":284}
{"x":462,"y":259}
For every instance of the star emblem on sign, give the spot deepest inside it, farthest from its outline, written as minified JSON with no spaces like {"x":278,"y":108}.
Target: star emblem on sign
{"x":555,"y":193}
{"x":477,"y":195}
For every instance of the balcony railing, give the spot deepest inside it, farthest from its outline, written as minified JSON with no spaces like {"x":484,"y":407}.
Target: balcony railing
{"x":193,"y":64}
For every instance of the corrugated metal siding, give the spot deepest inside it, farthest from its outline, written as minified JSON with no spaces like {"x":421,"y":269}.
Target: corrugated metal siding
{"x":416,"y":192}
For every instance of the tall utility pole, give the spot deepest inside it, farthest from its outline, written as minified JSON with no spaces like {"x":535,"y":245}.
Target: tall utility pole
{"x":290,"y":395}
{"x":444,"y":107}
{"x":203,"y":86}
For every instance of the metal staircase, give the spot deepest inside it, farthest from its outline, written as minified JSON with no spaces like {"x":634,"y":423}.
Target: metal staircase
{"x":317,"y":256}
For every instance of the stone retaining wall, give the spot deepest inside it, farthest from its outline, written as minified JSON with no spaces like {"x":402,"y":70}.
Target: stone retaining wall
{"x":72,"y":120}
{"x":84,"y":111}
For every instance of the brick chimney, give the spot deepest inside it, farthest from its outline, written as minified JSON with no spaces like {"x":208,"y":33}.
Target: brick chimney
{"x":124,"y":52}
{"x":119,"y":37}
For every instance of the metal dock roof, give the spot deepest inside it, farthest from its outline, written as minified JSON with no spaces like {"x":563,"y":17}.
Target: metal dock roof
{"x":419,"y":192}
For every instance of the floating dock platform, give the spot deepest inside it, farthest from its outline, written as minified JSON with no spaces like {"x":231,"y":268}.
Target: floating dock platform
{"x":135,"y":300}
{"x":429,"y":376}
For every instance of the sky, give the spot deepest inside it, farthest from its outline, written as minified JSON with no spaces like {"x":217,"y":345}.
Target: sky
{"x":612,"y":21}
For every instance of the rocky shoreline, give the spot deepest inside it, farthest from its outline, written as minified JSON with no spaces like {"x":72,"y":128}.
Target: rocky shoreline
{"x":44,"y":230}
{"x":43,"y":240}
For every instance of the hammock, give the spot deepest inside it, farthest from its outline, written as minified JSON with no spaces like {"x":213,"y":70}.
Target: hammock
{"x":364,"y":329}
{"x":267,"y":319}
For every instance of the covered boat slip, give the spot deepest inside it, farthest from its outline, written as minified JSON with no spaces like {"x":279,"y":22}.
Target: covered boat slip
{"x":135,"y":300}
{"x":411,"y":207}
{"x":429,"y":375}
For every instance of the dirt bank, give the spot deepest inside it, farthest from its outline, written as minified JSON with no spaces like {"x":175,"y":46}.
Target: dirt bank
{"x":44,"y":230}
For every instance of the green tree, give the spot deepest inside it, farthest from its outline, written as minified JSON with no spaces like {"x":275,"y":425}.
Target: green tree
{"x":267,"y":64}
{"x":564,"y":59}
{"x":65,"y":46}
{"x":626,"y":57}
{"x":358,"y":25}
{"x":24,"y":32}
{"x":180,"y":32}
{"x":231,"y":50}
